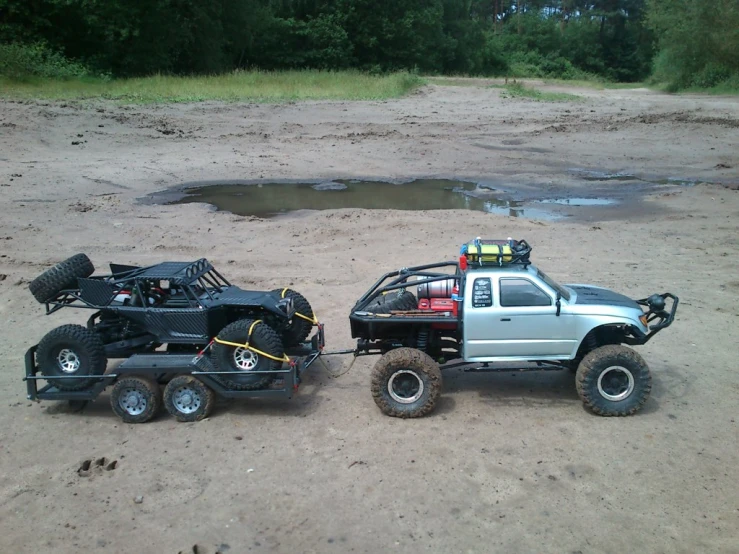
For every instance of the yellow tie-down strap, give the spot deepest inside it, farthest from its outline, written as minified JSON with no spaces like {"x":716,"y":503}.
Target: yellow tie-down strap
{"x":313,"y":320}
{"x":248,"y":347}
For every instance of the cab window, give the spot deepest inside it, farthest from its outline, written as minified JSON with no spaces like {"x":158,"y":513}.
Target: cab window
{"x":522,"y":292}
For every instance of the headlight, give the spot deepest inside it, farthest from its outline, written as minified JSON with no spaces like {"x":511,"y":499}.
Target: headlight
{"x":643,"y":319}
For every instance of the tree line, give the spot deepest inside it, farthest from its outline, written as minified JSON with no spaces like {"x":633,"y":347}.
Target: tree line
{"x":612,"y":39}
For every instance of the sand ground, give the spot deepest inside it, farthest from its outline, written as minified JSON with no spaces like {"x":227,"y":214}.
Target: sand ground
{"x":509,"y":462}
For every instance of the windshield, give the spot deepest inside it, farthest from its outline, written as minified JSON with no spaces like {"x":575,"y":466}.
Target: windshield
{"x":554,"y":284}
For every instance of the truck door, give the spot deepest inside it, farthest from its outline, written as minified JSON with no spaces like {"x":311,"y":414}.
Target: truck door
{"x":514,"y":318}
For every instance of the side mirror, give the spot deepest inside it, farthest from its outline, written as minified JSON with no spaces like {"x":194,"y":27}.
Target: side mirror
{"x":559,"y":303}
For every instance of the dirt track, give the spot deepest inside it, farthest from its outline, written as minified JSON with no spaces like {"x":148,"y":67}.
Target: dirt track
{"x":508,"y":462}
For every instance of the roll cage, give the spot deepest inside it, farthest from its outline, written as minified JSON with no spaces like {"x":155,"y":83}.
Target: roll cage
{"x":399,"y":280}
{"x":189,"y":284}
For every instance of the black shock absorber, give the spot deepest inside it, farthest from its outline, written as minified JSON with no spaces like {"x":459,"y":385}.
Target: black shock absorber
{"x":423,"y":340}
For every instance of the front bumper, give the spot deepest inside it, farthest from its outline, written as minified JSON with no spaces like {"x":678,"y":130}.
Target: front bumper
{"x":658,"y":316}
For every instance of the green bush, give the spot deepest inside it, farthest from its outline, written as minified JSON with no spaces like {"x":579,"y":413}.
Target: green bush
{"x":552,"y":66}
{"x":698,"y":43}
{"x":711,"y":75}
{"x":23,"y":61}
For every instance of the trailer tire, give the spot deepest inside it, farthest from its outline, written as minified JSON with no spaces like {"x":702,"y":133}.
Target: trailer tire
{"x":136,"y":399}
{"x":393,"y":301}
{"x":300,"y":328}
{"x":232,"y":358}
{"x":406,"y":383}
{"x":188,"y":399}
{"x":62,"y":276}
{"x":613,"y":380}
{"x":71,"y":350}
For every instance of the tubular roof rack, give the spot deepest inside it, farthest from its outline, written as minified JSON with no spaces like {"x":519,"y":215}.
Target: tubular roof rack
{"x":180,"y":273}
{"x":490,"y":253}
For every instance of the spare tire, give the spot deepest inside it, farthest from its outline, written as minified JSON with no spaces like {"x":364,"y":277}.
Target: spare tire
{"x":393,"y":301}
{"x":299,"y":328}
{"x":60,"y":277}
{"x":245,"y":361}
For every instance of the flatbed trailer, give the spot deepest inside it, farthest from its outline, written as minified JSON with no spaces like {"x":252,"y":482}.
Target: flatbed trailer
{"x":161,"y":369}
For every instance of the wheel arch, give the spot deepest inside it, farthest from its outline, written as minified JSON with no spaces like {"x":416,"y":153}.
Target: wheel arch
{"x":610,"y":332}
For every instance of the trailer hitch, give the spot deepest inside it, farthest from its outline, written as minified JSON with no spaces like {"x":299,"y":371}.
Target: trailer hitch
{"x":332,"y":375}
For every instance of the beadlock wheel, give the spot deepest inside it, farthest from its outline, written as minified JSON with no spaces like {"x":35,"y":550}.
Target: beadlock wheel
{"x":67,"y":354}
{"x":405,"y":386}
{"x":613,"y":380}
{"x":406,"y":383}
{"x":615,"y":383}
{"x":247,"y":369}
{"x":68,"y":360}
{"x":245,"y":359}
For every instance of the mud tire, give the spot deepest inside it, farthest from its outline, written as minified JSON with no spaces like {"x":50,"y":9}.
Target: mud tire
{"x":67,"y":346}
{"x":60,"y":277}
{"x":414,"y":378}
{"x":150,"y":399}
{"x":393,"y":301}
{"x":299,"y":329}
{"x":616,"y":371}
{"x":263,"y":338}
{"x":203,"y":399}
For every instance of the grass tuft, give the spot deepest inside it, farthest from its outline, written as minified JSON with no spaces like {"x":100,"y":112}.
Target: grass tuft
{"x":518,"y":90}
{"x":251,"y":86}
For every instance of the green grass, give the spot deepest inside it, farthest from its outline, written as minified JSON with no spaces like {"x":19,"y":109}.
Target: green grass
{"x":251,"y":86}
{"x":597,"y":85}
{"x":729,"y":88}
{"x":720,"y":90}
{"x":465,"y":81}
{"x":458,"y":81}
{"x":518,"y":90}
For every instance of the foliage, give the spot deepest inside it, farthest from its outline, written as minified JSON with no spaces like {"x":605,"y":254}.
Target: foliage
{"x":699,"y":42}
{"x":573,"y":39}
{"x":553,"y":38}
{"x":23,"y":61}
{"x":253,"y":86}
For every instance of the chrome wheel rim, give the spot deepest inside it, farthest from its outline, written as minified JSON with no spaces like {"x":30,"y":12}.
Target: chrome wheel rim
{"x":132,"y":401}
{"x":187,"y":399}
{"x":405,"y":386}
{"x":68,"y":360}
{"x":245,"y":359}
{"x":616,"y":383}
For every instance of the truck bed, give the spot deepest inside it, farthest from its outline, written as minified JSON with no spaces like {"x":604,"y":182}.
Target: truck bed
{"x":373,"y":326}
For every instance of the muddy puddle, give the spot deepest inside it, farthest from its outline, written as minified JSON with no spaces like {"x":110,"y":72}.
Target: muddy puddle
{"x":274,"y":199}
{"x":268,"y":200}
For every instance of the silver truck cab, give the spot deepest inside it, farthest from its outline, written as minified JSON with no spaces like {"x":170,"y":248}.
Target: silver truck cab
{"x":518,"y":313}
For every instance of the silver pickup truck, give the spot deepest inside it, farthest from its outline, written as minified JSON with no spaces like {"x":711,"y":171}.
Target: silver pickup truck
{"x":493,"y":309}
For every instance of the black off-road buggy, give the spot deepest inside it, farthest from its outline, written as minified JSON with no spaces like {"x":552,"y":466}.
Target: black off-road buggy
{"x":180,"y":325}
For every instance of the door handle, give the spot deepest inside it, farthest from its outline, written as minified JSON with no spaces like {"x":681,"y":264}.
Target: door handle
{"x":505,"y":318}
